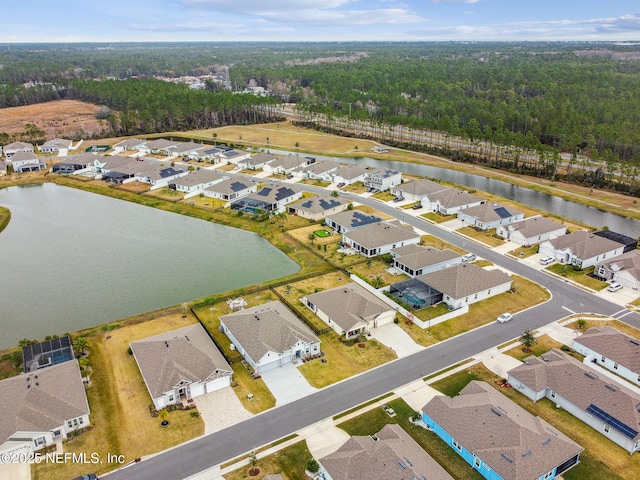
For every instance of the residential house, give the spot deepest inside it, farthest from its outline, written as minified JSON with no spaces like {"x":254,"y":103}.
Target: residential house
{"x":54,"y":351}
{"x":581,"y":249}
{"x":269,"y":336}
{"x":350,"y":174}
{"x":128,"y":172}
{"x":3,"y":168}
{"x":230,"y":155}
{"x":350,"y":220}
{"x":466,"y":283}
{"x":129,"y":145}
{"x":257,"y":162}
{"x":614,"y":350}
{"x":102,"y":165}
{"x":380,"y":149}
{"x":186,"y":149}
{"x":490,"y":215}
{"x":161,"y":176}
{"x":285,"y":165}
{"x":416,"y":190}
{"x":317,"y":207}
{"x":61,"y":146}
{"x":390,"y":454}
{"x":180,"y":365}
{"x":272,"y":198}
{"x":416,"y":260}
{"x":230,"y":189}
{"x":350,"y":309}
{"x":531,"y":231}
{"x":159,"y":146}
{"x":16,"y":147}
{"x":77,"y":164}
{"x":629,"y":243}
{"x":41,"y":408}
{"x":380,"y":238}
{"x":497,"y":437}
{"x":623,"y":269}
{"x":317,"y":170}
{"x":27,"y":162}
{"x":197,"y":181}
{"x":382,"y":179}
{"x":450,"y":201}
{"x":602,"y":403}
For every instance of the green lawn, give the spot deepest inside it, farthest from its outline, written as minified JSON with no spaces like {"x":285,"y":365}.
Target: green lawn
{"x":288,"y":462}
{"x":579,"y":276}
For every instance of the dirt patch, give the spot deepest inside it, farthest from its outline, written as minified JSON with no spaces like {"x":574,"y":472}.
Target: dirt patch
{"x":62,"y":118}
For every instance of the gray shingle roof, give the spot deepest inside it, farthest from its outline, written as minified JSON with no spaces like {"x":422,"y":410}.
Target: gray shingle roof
{"x":230,"y":185}
{"x":629,"y":262}
{"x":464,"y":279}
{"x":349,"y":172}
{"x":530,"y":227}
{"x":490,"y":212}
{"x":584,"y":245}
{"x":198,"y":177}
{"x":613,"y":344}
{"x":510,"y":440}
{"x":380,"y":234}
{"x":580,"y":385}
{"x":42,"y":400}
{"x":270,"y":327}
{"x":183,"y":354}
{"x":425,"y":257}
{"x":394,"y":456}
{"x":421,"y":187}
{"x":353,"y":218}
{"x":350,"y":306}
{"x":452,"y":198}
{"x":260,"y":158}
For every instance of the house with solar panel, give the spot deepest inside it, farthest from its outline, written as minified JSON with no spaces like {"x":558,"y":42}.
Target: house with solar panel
{"x":272,"y":198}
{"x":490,"y":215}
{"x":581,"y":249}
{"x":317,"y":207}
{"x":350,"y":220}
{"x":594,"y":397}
{"x":531,"y":231}
{"x":450,"y":201}
{"x":380,"y":238}
{"x":499,"y":438}
{"x":417,"y":260}
{"x":382,"y":179}
{"x":390,"y":454}
{"x":230,"y":189}
{"x":195,"y":182}
{"x":285,"y":165}
{"x":257,"y":162}
{"x":612,"y":349}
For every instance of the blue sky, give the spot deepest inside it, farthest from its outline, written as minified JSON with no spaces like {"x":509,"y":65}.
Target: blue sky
{"x":320,"y":20}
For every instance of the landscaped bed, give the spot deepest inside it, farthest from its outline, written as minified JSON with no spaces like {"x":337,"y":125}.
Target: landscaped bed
{"x":322,"y":233}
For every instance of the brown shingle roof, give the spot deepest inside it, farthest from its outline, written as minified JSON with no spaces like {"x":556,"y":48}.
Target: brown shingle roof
{"x":613,"y":344}
{"x":182,"y":354}
{"x":198,"y":177}
{"x":490,"y":212}
{"x":628,"y":262}
{"x":380,"y":234}
{"x":270,"y":327}
{"x":530,"y":227}
{"x":581,"y":386}
{"x":464,"y":279}
{"x":425,"y":257}
{"x":421,"y":187}
{"x":452,"y":197}
{"x":584,"y":244}
{"x":43,"y":400}
{"x":350,"y":306}
{"x":394,"y":456}
{"x":514,"y":443}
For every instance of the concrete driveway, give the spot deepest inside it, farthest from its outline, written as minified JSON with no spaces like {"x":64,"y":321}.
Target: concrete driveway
{"x":323,"y":438}
{"x":220,"y":409}
{"x":287,"y":384}
{"x":397,"y":339}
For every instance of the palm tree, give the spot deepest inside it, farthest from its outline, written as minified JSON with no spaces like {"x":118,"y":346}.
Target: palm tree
{"x":377,"y":282}
{"x":528,"y":339}
{"x":163,"y":415}
{"x":312,"y":237}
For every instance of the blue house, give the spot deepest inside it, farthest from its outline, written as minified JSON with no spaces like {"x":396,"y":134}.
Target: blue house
{"x":498,"y":438}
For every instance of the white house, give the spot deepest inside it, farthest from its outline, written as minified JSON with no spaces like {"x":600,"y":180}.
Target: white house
{"x":382,"y":179}
{"x":450,"y":201}
{"x":624,"y":269}
{"x":269,"y":336}
{"x":379,"y":238}
{"x":15,"y":147}
{"x":581,"y":249}
{"x":230,"y":189}
{"x":531,"y":231}
{"x":197,"y":181}
{"x":285,"y":165}
{"x":317,"y":207}
{"x":614,"y":350}
{"x":108,"y":164}
{"x":42,"y":407}
{"x":317,"y":170}
{"x":349,"y":220}
{"x":604,"y":404}
{"x":350,"y":174}
{"x":257,"y":162}
{"x":490,"y":215}
{"x":272,"y":198}
{"x":27,"y":162}
{"x":159,"y":146}
{"x":350,"y":310}
{"x":129,"y":145}
{"x":180,"y":365}
{"x":416,"y":190}
{"x":60,"y":146}
{"x":466,"y":283}
{"x":416,"y":260}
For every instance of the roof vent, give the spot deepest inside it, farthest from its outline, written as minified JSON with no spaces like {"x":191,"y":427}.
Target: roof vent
{"x":408,"y":462}
{"x":399,"y":462}
{"x":166,"y":344}
{"x":507,"y":458}
{"x":613,"y":388}
{"x":527,"y":453}
{"x":496,"y":412}
{"x":547,"y":441}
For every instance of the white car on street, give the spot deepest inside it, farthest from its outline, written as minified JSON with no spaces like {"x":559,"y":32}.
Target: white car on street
{"x":504,"y":318}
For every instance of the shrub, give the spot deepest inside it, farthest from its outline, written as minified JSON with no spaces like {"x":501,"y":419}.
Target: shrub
{"x":312,"y":466}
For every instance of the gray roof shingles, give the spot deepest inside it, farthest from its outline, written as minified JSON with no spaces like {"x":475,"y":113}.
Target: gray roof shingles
{"x":464,"y":279}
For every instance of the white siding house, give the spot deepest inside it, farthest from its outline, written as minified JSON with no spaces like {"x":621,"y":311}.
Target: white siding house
{"x":531,"y":231}
{"x":581,"y":249}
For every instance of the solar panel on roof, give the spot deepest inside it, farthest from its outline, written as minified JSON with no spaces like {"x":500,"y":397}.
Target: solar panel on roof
{"x":502,"y":212}
{"x":622,"y":427}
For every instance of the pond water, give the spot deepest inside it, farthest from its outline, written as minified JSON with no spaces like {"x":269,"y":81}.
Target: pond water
{"x":72,"y":259}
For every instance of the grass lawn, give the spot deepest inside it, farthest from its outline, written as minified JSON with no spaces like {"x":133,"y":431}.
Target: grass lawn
{"x":524,"y":252}
{"x":376,"y":268}
{"x":383,"y":196}
{"x":579,"y":276}
{"x":322,"y":233}
{"x":166,"y":193}
{"x":623,"y":327}
{"x":288,"y":462}
{"x":135,"y":187}
{"x":5,"y":217}
{"x":119,"y":403}
{"x":545,"y":343}
{"x":438,"y":217}
{"x":431,"y":241}
{"x":601,"y":458}
{"x":525,"y":294}
{"x":344,"y":361}
{"x":315,"y":182}
{"x":373,"y":421}
{"x":488,"y":237}
{"x":303,"y":234}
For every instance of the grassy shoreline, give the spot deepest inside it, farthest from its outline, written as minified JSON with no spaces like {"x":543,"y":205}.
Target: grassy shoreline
{"x":5,"y":218}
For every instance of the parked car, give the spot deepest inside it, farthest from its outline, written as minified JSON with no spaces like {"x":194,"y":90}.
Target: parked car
{"x":87,"y":476}
{"x":417,"y":206}
{"x":341,"y":184}
{"x":469,"y":257}
{"x":614,"y":287}
{"x":398,"y":199}
{"x":505,"y":317}
{"x":546,"y":260}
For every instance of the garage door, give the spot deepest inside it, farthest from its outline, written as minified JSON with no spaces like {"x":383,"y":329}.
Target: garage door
{"x":218,"y":383}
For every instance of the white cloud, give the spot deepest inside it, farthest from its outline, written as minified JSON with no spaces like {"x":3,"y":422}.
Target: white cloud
{"x":455,"y":1}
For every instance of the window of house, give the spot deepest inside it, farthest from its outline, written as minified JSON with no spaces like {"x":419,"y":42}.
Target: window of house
{"x":456,"y":445}
{"x":38,"y":441}
{"x":477,"y":462}
{"x":549,"y":474}
{"x":603,"y":359}
{"x":552,"y":394}
{"x":69,"y":424}
{"x":615,"y":366}
{"x":80,"y":421}
{"x":606,"y":429}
